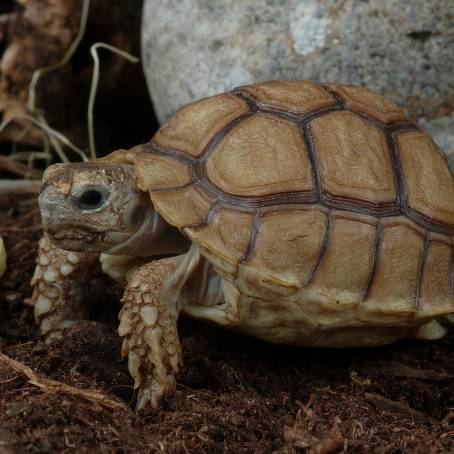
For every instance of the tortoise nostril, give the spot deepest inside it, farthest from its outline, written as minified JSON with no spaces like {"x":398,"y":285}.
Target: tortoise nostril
{"x":91,"y":199}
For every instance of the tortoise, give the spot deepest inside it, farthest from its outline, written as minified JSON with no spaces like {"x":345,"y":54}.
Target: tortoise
{"x":304,"y":214}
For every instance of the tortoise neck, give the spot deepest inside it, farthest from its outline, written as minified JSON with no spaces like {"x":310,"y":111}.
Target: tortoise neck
{"x":155,"y":237}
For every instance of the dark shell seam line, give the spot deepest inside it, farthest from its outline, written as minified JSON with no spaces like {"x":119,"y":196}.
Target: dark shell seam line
{"x":178,"y":155}
{"x":335,"y":95}
{"x":323,"y":249}
{"x":174,"y":188}
{"x":341,"y":102}
{"x":315,"y":168}
{"x":300,"y":119}
{"x":360,"y":206}
{"x":374,"y":264}
{"x":397,"y":169}
{"x":219,"y":136}
{"x":422,"y":270}
{"x":428,"y":223}
{"x":255,"y":202}
{"x":208,"y":218}
{"x":255,"y":230}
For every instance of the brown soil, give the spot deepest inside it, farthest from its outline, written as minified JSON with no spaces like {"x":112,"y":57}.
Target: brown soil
{"x":235,"y":394}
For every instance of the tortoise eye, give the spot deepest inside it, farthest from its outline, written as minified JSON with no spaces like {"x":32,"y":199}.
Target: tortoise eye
{"x":91,"y":199}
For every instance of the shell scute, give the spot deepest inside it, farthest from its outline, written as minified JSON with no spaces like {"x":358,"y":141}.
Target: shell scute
{"x":225,"y":238}
{"x":429,"y":183}
{"x":286,"y":250}
{"x":436,"y":293}
{"x":372,"y":104}
{"x":393,"y":294}
{"x":156,"y":172}
{"x":295,"y":96}
{"x":192,"y":127}
{"x":354,"y":158}
{"x":262,"y":155}
{"x":183,"y":207}
{"x":350,"y":247}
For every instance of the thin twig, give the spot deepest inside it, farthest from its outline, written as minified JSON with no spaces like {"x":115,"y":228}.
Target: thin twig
{"x":69,"y":53}
{"x":18,"y":168}
{"x":53,"y":135}
{"x":27,"y":155}
{"x":94,"y":87}
{"x":14,"y":187}
{"x":2,"y":257}
{"x":54,"y":386}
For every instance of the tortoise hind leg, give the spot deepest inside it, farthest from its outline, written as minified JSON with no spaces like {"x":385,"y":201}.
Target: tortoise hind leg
{"x":59,"y":283}
{"x":436,"y":328}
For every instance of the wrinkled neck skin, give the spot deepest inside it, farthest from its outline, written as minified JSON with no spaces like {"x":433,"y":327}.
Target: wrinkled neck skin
{"x":155,"y":237}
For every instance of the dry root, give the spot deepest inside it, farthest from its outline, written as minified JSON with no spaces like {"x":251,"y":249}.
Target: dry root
{"x":2,"y":257}
{"x":19,"y":187}
{"x":53,"y":386}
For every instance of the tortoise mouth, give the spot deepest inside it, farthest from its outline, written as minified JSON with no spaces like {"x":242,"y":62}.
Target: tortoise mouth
{"x":76,"y":235}
{"x":85,"y":240}
{"x":77,"y":239}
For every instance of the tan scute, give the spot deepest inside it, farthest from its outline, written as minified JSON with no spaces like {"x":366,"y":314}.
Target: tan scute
{"x":351,"y":247}
{"x":428,"y":180}
{"x":155,"y":172}
{"x":396,"y":275}
{"x":263,"y":155}
{"x":372,"y":104}
{"x":354,"y":158}
{"x":225,"y":238}
{"x":194,"y":125}
{"x":295,"y":96}
{"x":436,"y":293}
{"x":182,"y":208}
{"x":287,"y":247}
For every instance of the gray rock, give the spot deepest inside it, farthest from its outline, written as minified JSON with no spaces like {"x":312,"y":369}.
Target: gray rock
{"x":404,"y":50}
{"x":442,"y":131}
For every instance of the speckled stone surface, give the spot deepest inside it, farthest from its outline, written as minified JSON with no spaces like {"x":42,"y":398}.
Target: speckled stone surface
{"x":442,"y":130}
{"x":404,"y":50}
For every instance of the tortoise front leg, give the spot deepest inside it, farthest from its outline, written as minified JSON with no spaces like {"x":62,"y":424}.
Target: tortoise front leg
{"x":148,"y":323}
{"x":59,"y":282}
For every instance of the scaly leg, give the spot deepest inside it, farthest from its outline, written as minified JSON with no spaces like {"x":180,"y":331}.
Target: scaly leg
{"x":152,"y":302}
{"x":59,"y":283}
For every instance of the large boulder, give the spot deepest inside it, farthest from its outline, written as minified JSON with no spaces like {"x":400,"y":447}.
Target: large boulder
{"x":196,"y":48}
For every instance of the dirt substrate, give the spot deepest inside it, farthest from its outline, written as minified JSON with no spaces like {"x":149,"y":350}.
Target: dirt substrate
{"x":235,"y":394}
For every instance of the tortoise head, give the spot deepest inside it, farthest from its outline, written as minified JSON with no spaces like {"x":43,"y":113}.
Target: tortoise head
{"x":96,"y":207}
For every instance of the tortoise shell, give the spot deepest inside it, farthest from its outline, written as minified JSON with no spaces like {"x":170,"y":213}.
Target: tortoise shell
{"x":290,"y":185}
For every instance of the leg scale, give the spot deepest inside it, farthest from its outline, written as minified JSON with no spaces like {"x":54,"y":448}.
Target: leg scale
{"x":148,"y":325}
{"x":59,"y":283}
